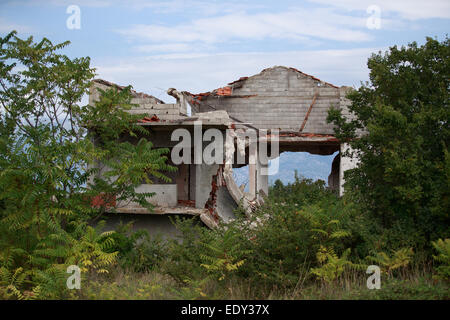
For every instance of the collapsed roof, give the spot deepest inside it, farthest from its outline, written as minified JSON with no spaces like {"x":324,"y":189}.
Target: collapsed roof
{"x":277,"y":98}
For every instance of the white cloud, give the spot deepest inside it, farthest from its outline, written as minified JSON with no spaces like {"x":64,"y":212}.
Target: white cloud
{"x":339,"y":20}
{"x":298,"y":24}
{"x":6,"y":27}
{"x":406,"y":9}
{"x":201,"y":7}
{"x":166,"y":7}
{"x":205,"y":72}
{"x":167,"y":47}
{"x":83,"y":3}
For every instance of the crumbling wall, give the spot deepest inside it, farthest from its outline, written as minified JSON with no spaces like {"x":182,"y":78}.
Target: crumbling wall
{"x":220,"y":203}
{"x":155,"y":108}
{"x":203,"y":183}
{"x":94,"y":94}
{"x":277,"y":98}
{"x":225,"y":204}
{"x":346,"y":162}
{"x":286,"y":99}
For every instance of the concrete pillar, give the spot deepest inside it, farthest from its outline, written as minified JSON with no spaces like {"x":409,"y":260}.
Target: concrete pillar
{"x":252,"y":180}
{"x":345,"y":163}
{"x":203,"y":180}
{"x":252,"y":174}
{"x":262,"y":178}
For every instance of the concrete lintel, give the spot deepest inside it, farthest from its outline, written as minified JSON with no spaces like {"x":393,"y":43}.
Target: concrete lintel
{"x":162,"y":210}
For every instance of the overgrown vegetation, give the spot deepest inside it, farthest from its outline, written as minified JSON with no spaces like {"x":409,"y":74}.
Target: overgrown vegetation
{"x":400,"y":132}
{"x":48,"y":143}
{"x":304,"y":250}
{"x":305,"y":242}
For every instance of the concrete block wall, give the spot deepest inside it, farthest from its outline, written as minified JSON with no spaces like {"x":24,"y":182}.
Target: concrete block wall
{"x":164,"y":111}
{"x":344,"y":103}
{"x":278,"y":98}
{"x":147,"y":104}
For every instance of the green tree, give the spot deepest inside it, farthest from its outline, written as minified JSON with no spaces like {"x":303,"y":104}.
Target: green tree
{"x":400,"y":132}
{"x":50,"y":146}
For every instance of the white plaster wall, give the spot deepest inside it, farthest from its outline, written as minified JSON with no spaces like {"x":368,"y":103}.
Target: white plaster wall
{"x":346,"y":163}
{"x":166,"y":194}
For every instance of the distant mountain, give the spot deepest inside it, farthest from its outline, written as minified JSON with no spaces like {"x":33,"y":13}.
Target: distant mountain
{"x":308,"y":165}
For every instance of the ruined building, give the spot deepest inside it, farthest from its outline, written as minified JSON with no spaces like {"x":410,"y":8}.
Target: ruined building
{"x":279,"y":99}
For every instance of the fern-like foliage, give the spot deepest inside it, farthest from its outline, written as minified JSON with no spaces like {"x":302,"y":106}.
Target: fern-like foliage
{"x":50,"y":146}
{"x":225,"y":254}
{"x":331,"y":265}
{"x":398,"y":259}
{"x":443,"y":258}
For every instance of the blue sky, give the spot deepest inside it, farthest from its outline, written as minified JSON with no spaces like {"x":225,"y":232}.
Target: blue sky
{"x":198,"y":45}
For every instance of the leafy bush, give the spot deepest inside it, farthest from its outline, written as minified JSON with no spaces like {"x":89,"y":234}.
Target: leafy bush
{"x":443,"y":257}
{"x":332,"y":266}
{"x":398,"y":260}
{"x":399,"y":131}
{"x":147,"y":254}
{"x":184,"y":260}
{"x":50,"y":146}
{"x":11,"y":284}
{"x":296,"y":221}
{"x":225,"y":254}
{"x":44,"y":275}
{"x":91,"y":251}
{"x":277,"y":247}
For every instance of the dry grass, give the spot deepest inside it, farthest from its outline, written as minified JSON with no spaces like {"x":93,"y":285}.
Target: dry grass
{"x":123,"y":285}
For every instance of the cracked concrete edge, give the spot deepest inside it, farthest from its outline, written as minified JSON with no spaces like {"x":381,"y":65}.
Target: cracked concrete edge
{"x":208,"y":220}
{"x":236,"y":193}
